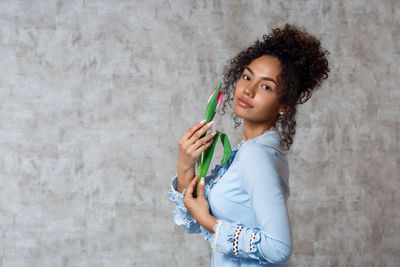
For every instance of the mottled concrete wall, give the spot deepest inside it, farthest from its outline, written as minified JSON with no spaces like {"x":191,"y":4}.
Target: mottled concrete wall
{"x":95,"y":94}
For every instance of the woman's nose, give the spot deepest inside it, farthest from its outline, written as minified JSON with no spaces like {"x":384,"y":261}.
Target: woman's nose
{"x":249,"y":90}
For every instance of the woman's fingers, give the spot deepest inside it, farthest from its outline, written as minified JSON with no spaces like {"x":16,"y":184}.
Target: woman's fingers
{"x":200,"y":193}
{"x":191,"y":186}
{"x":196,"y":153}
{"x":195,"y":132}
{"x":192,"y":143}
{"x":199,"y":133}
{"x":201,"y":142}
{"x":193,"y":129}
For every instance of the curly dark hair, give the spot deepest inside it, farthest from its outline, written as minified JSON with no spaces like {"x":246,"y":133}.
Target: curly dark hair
{"x":303,"y":67}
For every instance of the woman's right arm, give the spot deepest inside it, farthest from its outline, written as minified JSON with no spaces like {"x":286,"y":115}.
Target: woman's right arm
{"x":191,"y":145}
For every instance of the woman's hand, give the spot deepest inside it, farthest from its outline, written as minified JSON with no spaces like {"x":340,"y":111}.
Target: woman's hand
{"x":199,"y":207}
{"x":192,"y":144}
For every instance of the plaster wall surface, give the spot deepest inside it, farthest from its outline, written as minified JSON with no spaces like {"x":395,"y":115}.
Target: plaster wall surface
{"x":95,"y":94}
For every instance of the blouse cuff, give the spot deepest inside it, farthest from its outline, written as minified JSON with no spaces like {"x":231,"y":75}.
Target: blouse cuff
{"x":224,"y":237}
{"x":181,"y":214}
{"x":207,"y":235}
{"x":175,"y":196}
{"x":236,"y":240}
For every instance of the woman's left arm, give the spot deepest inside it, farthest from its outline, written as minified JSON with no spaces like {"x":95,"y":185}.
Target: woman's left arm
{"x":182,"y":216}
{"x":199,"y":207}
{"x":271,"y":242}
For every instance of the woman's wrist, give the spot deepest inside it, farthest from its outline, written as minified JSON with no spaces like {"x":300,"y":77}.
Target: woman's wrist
{"x":208,"y":222}
{"x":185,"y":176}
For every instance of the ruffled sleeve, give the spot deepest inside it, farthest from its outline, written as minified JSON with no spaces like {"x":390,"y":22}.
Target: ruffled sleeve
{"x":181,"y":215}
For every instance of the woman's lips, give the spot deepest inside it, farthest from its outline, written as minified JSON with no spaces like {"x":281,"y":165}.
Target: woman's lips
{"x":243,"y":103}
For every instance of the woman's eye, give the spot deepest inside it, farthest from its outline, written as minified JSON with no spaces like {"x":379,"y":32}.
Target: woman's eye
{"x":245,"y":77}
{"x":266,"y":87}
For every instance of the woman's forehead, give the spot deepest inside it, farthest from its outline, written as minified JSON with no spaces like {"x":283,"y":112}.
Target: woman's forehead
{"x":266,"y":66}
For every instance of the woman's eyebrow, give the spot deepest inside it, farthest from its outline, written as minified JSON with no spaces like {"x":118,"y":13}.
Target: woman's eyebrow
{"x":263,"y":78}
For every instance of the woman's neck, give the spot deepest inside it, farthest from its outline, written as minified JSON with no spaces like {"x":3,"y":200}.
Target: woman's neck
{"x":251,"y":130}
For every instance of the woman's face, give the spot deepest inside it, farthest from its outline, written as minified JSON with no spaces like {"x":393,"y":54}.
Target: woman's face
{"x":255,"y":98}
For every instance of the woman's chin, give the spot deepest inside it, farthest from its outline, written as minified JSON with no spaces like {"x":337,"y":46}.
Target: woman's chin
{"x":244,"y":118}
{"x":240,"y":112}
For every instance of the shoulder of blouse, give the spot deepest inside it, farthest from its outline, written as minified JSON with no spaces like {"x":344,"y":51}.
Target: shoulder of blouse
{"x":269,"y":138}
{"x":269,"y":145}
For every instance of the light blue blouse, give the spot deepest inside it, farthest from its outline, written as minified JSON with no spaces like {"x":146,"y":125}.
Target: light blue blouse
{"x":248,"y":197}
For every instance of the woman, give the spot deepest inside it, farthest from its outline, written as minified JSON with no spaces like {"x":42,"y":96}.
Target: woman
{"x":241,"y":207}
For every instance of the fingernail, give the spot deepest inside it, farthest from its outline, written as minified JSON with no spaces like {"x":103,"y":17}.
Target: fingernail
{"x":202,"y":122}
{"x":202,"y":181}
{"x":210,"y":124}
{"x":214,"y":133}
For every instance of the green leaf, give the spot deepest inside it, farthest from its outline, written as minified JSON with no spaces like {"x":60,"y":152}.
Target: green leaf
{"x":199,"y":161}
{"x":227,"y":148}
{"x":208,"y":154}
{"x":212,"y":104}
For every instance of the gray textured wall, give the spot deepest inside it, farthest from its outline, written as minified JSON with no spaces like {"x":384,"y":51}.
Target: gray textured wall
{"x":95,"y":94}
